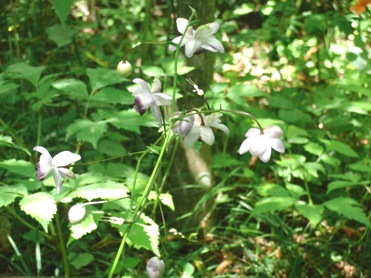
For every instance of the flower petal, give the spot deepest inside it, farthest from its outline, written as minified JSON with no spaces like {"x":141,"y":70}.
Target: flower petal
{"x":156,"y":112}
{"x":176,"y":41}
{"x":66,"y":173}
{"x":142,"y":83}
{"x":181,"y":24}
{"x":220,"y":126}
{"x":245,"y":146}
{"x":266,"y":155}
{"x":65,"y":158}
{"x":258,"y":145}
{"x":42,"y":170}
{"x":273,"y":132}
{"x":142,"y":101}
{"x":57,"y":179}
{"x":192,"y":137}
{"x":203,"y":32}
{"x":252,"y":131}
{"x":162,"y":99}
{"x":44,"y":166}
{"x":156,"y":86}
{"x":191,"y":47}
{"x":213,"y":45}
{"x":207,"y":135}
{"x":277,"y":145}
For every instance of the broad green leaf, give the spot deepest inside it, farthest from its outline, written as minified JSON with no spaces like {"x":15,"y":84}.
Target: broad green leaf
{"x":295,"y":116}
{"x":62,"y":8}
{"x":101,"y":77}
{"x":60,"y":34}
{"x":130,"y":120}
{"x":87,"y":225}
{"x":19,"y":167}
{"x":296,"y":135}
{"x":314,"y":148}
{"x":153,"y":71}
{"x":74,"y":88}
{"x":80,"y":260}
{"x":87,"y":131}
{"x":272,"y":189}
{"x":9,"y":193}
{"x":101,"y":190}
{"x":312,"y":212}
{"x":272,"y":204}
{"x":144,"y":234}
{"x":361,"y":166}
{"x":222,"y":160}
{"x":348,"y":207}
{"x":40,"y":206}
{"x":111,"y":95}
{"x":240,"y":93}
{"x":338,"y":184}
{"x":280,"y":102}
{"x":24,"y":71}
{"x":165,"y":198}
{"x":340,"y":147}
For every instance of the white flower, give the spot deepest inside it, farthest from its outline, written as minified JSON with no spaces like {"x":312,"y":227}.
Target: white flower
{"x":196,"y":41}
{"x":261,"y":144}
{"x":146,"y":98}
{"x":55,"y":165}
{"x":183,"y":126}
{"x":155,"y":267}
{"x":202,"y":129}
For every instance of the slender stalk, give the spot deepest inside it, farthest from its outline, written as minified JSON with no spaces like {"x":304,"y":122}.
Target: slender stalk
{"x":62,"y":247}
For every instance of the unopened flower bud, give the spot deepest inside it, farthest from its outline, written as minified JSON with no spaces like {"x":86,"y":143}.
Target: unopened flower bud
{"x":183,"y":126}
{"x":155,"y":267}
{"x":76,"y":213}
{"x":124,"y":68}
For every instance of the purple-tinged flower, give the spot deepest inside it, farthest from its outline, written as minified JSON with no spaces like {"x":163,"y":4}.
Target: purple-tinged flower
{"x":183,"y":125}
{"x":260,"y":144}
{"x":155,"y":267}
{"x":201,"y":129}
{"x":55,"y":165}
{"x":197,"y":41}
{"x":150,"y":98}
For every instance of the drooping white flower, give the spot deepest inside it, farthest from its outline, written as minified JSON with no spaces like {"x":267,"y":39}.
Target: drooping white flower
{"x":201,"y":129}
{"x":261,"y":144}
{"x":55,"y":165}
{"x":155,"y":267}
{"x":150,"y":98}
{"x":183,"y":126}
{"x":196,"y":41}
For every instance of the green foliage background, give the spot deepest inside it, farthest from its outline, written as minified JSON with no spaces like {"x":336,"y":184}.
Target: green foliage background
{"x":302,"y":65}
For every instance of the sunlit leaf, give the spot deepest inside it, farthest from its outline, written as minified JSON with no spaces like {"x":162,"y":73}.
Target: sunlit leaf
{"x":72,"y":87}
{"x":40,"y":206}
{"x":101,"y":77}
{"x":87,"y":225}
{"x":19,"y":167}
{"x":24,"y":71}
{"x":273,"y":204}
{"x":340,"y":147}
{"x":9,"y":193}
{"x":80,"y":260}
{"x":312,"y":212}
{"x":101,"y":190}
{"x":86,"y":130}
{"x":60,"y":34}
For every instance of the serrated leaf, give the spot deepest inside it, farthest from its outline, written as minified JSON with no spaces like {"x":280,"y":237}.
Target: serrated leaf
{"x":87,"y":131}
{"x":314,"y":148}
{"x":240,"y":92}
{"x":165,"y":198}
{"x":87,"y":225}
{"x":24,"y":71}
{"x":101,"y":190}
{"x":80,"y":260}
{"x":273,"y":204}
{"x":153,"y":71}
{"x":101,"y":77}
{"x":312,"y":212}
{"x":112,"y":95}
{"x":9,"y":193}
{"x":19,"y":167}
{"x":72,"y":87}
{"x":62,"y":8}
{"x":338,"y":184}
{"x":130,"y":120}
{"x":222,"y":160}
{"x":40,"y":206}
{"x":348,"y":207}
{"x":60,"y":34}
{"x":144,"y":234}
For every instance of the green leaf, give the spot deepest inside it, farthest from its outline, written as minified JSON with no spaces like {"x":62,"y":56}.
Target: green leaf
{"x":62,"y":8}
{"x":87,"y":225}
{"x":338,"y":184}
{"x":273,"y":204}
{"x":312,"y":212}
{"x":222,"y":160}
{"x":350,"y":208}
{"x":101,"y":190}
{"x":153,"y":71}
{"x":87,"y":131}
{"x":314,"y":148}
{"x":144,"y":234}
{"x":101,"y":77}
{"x":74,"y":88}
{"x":24,"y":71}
{"x":240,"y":93}
{"x":60,"y":34}
{"x":40,"y":206}
{"x":129,"y":120}
{"x":361,"y":166}
{"x":80,"y":260}
{"x":112,"y":95}
{"x":19,"y":167}
{"x":340,"y":147}
{"x":9,"y":193}
{"x":296,"y":135}
{"x":165,"y":198}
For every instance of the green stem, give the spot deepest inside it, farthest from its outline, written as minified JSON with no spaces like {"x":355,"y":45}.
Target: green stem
{"x":310,"y":201}
{"x":62,"y":247}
